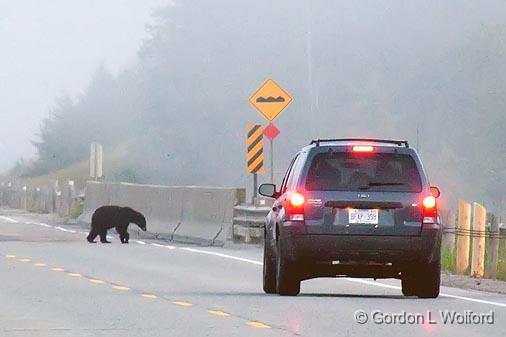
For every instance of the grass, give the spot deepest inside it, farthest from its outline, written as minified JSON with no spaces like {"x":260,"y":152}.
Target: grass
{"x":76,"y":212}
{"x":448,"y":259}
{"x":501,"y":265}
{"x":79,"y":172}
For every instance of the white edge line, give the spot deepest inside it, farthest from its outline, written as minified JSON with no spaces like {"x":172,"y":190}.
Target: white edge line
{"x":8,"y":219}
{"x":65,"y":229}
{"x":464,"y":298}
{"x":232,"y":257}
{"x":140,"y":242}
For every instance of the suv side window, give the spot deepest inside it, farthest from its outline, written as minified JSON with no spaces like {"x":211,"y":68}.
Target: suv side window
{"x":295,"y":173}
{"x":287,"y":175}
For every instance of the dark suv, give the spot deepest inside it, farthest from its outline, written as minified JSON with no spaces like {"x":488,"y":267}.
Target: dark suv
{"x":357,"y":208}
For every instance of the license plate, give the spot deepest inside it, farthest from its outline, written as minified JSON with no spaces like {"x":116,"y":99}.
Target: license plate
{"x":365,"y":216}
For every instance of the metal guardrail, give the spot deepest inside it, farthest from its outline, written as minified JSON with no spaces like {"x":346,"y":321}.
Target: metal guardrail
{"x":249,"y":222}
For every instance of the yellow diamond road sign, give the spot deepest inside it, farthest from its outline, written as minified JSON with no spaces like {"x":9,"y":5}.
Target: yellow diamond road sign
{"x":270,"y":99}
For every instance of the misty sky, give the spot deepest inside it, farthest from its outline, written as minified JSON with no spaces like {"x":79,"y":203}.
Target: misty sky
{"x":50,"y":48}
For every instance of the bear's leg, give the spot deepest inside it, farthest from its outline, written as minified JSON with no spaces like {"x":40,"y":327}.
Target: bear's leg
{"x":103,"y":236}
{"x":93,"y":234}
{"x":127,"y":237}
{"x":123,"y":235}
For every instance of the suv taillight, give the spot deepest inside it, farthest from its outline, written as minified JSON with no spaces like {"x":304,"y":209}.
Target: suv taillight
{"x":429,"y":213}
{"x":295,"y":207}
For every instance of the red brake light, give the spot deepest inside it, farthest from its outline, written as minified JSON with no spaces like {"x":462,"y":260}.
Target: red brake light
{"x":429,"y":202}
{"x":429,"y":212}
{"x":295,"y":207}
{"x":297,"y":200}
{"x":363,"y":148}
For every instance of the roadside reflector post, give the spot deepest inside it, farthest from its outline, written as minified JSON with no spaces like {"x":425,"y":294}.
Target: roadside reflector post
{"x":478,"y":255}
{"x":448,"y":219}
{"x":464,"y":226}
{"x":493,"y":247}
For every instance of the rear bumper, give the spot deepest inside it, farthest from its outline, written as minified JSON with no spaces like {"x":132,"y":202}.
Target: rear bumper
{"x":363,"y":250}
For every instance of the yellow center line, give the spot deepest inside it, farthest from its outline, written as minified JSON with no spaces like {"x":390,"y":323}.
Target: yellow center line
{"x":57,"y":269}
{"x":258,"y":325}
{"x":39,"y":264}
{"x":74,"y":274}
{"x":149,"y":296}
{"x":96,"y":281}
{"x":182,"y":303}
{"x":122,"y":288}
{"x":10,"y":256}
{"x":24,"y":260}
{"x":218,"y":313}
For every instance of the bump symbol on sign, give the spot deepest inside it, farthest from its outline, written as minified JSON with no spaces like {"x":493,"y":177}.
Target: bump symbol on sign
{"x":270,"y":99}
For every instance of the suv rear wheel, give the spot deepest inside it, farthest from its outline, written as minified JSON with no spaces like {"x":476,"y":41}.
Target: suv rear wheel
{"x":430,"y":280}
{"x":423,"y":280}
{"x":269,"y":274}
{"x":287,"y":279}
{"x":408,"y":284}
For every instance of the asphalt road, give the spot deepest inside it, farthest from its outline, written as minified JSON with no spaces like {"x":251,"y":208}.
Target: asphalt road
{"x":53,"y":283}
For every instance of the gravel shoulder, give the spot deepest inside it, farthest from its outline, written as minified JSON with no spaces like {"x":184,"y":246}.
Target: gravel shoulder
{"x":467,"y":282}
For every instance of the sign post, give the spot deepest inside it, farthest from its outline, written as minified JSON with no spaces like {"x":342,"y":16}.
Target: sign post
{"x":271,"y":132}
{"x":270,"y":100}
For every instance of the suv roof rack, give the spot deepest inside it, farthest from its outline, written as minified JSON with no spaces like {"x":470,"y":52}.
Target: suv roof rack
{"x":375,"y":140}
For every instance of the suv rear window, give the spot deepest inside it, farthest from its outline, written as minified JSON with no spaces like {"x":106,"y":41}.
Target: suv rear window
{"x":376,"y":172}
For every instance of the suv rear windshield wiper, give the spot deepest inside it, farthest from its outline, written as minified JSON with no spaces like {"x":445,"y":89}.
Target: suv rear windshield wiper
{"x":371,"y":184}
{"x":385,"y":184}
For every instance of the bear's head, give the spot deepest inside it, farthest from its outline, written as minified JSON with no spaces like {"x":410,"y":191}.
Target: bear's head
{"x":140,"y":221}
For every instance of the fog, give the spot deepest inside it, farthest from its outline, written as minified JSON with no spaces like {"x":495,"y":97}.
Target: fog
{"x":173,"y":107}
{"x":51,"y":48}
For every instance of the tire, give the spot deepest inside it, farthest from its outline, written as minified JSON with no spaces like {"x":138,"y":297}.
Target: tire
{"x":408,"y":284}
{"x":269,"y":270}
{"x":423,"y":280}
{"x":287,"y":279}
{"x":430,"y":280}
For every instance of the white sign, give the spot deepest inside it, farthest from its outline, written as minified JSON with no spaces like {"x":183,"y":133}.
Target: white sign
{"x":96,"y":160}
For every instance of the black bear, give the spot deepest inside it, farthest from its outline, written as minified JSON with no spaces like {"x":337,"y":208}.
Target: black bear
{"x":107,"y":217}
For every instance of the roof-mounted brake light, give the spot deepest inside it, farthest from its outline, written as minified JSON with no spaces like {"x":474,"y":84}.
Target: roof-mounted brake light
{"x":363,"y":148}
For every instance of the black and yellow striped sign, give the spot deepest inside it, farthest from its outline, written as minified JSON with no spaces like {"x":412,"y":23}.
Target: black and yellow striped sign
{"x":255,"y":158}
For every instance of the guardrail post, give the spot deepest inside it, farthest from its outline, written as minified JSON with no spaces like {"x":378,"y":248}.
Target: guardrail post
{"x":464,"y":224}
{"x":493,"y":247}
{"x":478,"y":255}
{"x":448,"y":220}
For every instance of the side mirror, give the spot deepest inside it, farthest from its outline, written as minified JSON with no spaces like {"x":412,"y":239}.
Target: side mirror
{"x":435,"y":191}
{"x":268,"y":190}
